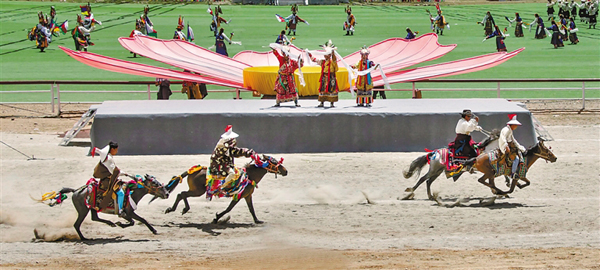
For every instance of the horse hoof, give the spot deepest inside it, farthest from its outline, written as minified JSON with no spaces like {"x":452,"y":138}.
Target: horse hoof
{"x":185,"y":210}
{"x":409,"y":190}
{"x":215,"y":221}
{"x":168,"y":210}
{"x":154,"y":232}
{"x":112,"y":225}
{"x":410,"y":196}
{"x":259,"y":222}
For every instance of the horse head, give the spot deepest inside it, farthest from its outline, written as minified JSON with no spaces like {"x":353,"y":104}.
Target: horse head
{"x":274,"y":166}
{"x":544,"y":152}
{"x":153,"y":186}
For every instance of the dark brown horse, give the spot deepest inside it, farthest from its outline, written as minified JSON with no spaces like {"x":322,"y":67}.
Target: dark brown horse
{"x":197,"y":186}
{"x":142,"y":186}
{"x":531,"y":156}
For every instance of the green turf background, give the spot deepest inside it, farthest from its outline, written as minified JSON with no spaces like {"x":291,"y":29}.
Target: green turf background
{"x":256,"y":27}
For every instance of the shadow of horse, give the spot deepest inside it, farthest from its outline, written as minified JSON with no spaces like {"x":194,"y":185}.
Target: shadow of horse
{"x":211,"y":227}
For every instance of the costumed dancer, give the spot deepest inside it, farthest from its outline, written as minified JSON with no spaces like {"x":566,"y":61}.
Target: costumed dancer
{"x":573,"y":31}
{"x":550,"y":10}
{"x":500,"y":45}
{"x":488,"y":24}
{"x":518,"y":24}
{"x":509,"y":146}
{"x":41,"y":33}
{"x":282,"y":39}
{"x":364,"y":84}
{"x":292,"y":20}
{"x":573,"y":8}
{"x":563,"y":8}
{"x":178,"y":32}
{"x":592,"y":13}
{"x":540,"y":30}
{"x":220,"y":39}
{"x":222,"y":167}
{"x":53,"y":26}
{"x":463,"y":145}
{"x":583,"y":16}
{"x":192,"y":89}
{"x":328,"y":87}
{"x":215,"y":25}
{"x":556,"y":36}
{"x":137,"y":32}
{"x":147,"y":27}
{"x":81,"y":35}
{"x":107,"y":171}
{"x":439,"y":22}
{"x":410,"y":34}
{"x":285,"y":85}
{"x":88,"y":20}
{"x":164,"y":88}
{"x":563,"y":26}
{"x":350,"y":22}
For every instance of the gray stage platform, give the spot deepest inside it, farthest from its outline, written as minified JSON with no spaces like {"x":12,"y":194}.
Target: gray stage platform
{"x":167,"y":127}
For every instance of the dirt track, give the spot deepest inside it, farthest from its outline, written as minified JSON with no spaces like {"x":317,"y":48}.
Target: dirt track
{"x":317,"y":217}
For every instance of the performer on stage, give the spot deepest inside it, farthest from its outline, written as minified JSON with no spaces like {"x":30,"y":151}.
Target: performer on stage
{"x":328,"y":88}
{"x":540,"y":32}
{"x":350,"y":22}
{"x":215,"y":25}
{"x":292,"y":20}
{"x":81,"y":36}
{"x":364,"y":84}
{"x":488,"y":24}
{"x":410,"y":34}
{"x":285,"y":86}
{"x":573,"y":31}
{"x":550,"y":10}
{"x":500,"y":45}
{"x":518,"y":25}
{"x":556,"y":36}
{"x":220,"y":42}
{"x":178,"y":32}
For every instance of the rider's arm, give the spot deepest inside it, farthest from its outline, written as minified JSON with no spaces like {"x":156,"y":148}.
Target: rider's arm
{"x":242,"y":152}
{"x":502,"y":140}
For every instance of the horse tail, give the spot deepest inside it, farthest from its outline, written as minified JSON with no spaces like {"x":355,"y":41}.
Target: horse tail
{"x":417,"y":165}
{"x":53,"y":198}
{"x":175,"y":180}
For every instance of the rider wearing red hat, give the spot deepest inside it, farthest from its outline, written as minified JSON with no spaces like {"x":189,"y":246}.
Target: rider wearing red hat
{"x":508,"y":144}
{"x":222,"y":159}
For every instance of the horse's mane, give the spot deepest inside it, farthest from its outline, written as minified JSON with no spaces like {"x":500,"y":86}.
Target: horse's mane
{"x":533,"y":149}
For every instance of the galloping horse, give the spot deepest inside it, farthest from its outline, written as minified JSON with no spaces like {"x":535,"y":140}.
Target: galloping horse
{"x":140,"y":186}
{"x":484,"y":165}
{"x":438,"y":160}
{"x":197,"y":186}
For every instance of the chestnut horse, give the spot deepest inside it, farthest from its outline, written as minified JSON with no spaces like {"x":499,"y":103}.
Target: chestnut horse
{"x":483,"y":164}
{"x":142,"y":186}
{"x":197,"y":186}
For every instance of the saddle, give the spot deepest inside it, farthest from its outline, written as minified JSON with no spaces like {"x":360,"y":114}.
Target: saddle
{"x":96,"y":191}
{"x":454,"y":164}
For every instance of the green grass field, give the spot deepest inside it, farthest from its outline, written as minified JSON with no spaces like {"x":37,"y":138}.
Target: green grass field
{"x":256,"y":27}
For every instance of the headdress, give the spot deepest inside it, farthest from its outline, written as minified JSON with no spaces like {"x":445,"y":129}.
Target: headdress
{"x":229,"y":134}
{"x":41,"y":17}
{"x":52,"y":11}
{"x":294,"y":8}
{"x":180,"y":23}
{"x":79,"y":21}
{"x":348,"y":9}
{"x":513,"y":120}
{"x":146,"y":9}
{"x":218,"y":10}
{"x":364,"y":50}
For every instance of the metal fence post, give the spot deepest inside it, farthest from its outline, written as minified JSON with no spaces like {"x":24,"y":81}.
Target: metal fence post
{"x":498,"y":91}
{"x":237,"y":93}
{"x":583,"y":96}
{"x":52,"y":96}
{"x":58,"y":97}
{"x":149,"y":96}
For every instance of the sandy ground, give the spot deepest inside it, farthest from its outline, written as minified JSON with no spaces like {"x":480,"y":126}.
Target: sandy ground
{"x":317,"y":217}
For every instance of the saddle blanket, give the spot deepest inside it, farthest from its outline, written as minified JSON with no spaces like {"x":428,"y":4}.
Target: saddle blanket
{"x":502,"y":168}
{"x":234,"y":189}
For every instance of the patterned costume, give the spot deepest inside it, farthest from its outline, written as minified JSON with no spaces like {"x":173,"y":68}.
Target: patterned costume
{"x":220,"y":39}
{"x":439,"y":22}
{"x":540,"y":33}
{"x":328,"y":87}
{"x":573,"y":32}
{"x":107,"y":171}
{"x":500,"y":46}
{"x":222,"y":165}
{"x":285,"y":86}
{"x":518,"y":25}
{"x":488,"y":24}
{"x":81,"y":35}
{"x":146,"y":25}
{"x":350,"y":22}
{"x":292,"y":20}
{"x":364,"y":84}
{"x":507,"y":143}
{"x":215,"y":25}
{"x":556,"y":36}
{"x":178,"y":34}
{"x":41,"y":33}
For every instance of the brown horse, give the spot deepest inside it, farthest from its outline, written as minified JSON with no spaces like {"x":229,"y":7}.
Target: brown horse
{"x":197,"y":186}
{"x":531,"y":156}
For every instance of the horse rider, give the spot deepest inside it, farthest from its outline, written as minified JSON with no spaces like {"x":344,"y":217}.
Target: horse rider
{"x":107,"y":171}
{"x":222,"y":159}
{"x":508,"y":144}
{"x":462,"y":143}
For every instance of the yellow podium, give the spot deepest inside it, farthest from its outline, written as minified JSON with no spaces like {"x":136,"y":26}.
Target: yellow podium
{"x":262,"y":79}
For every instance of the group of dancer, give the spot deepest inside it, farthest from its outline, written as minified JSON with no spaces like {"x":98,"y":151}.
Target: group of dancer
{"x":46,"y":28}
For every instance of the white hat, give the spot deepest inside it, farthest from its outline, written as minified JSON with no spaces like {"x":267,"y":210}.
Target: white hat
{"x":513,"y":120}
{"x":102,"y":152}
{"x":229,"y":134}
{"x":364,"y":50}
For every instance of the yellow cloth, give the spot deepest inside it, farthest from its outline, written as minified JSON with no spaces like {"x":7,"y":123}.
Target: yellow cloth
{"x":262,"y":79}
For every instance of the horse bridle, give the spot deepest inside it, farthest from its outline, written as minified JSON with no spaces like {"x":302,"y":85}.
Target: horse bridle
{"x":151,"y":189}
{"x":271,"y":167}
{"x":545,"y":157}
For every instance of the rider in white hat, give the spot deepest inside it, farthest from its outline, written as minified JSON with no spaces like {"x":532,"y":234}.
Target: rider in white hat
{"x":222,"y":159}
{"x":507,"y":138}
